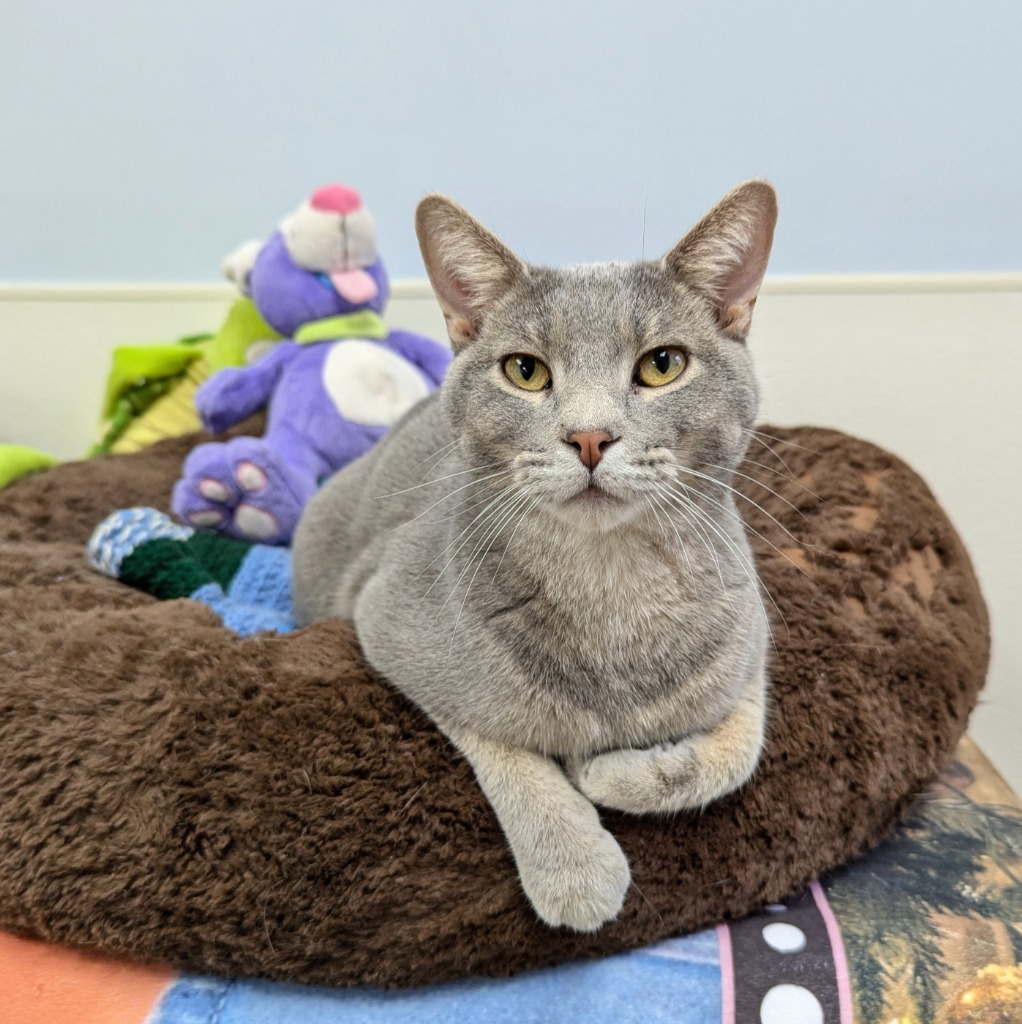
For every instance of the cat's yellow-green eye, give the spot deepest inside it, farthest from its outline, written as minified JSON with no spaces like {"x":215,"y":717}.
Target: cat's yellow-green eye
{"x":526,"y":372}
{"x":660,"y":366}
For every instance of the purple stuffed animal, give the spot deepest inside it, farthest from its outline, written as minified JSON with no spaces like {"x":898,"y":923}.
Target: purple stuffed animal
{"x":332,"y":390}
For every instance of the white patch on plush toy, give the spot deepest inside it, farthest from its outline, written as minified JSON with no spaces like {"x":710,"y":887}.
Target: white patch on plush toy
{"x":370,"y":384}
{"x":250,"y":477}
{"x":206,"y":519}
{"x":331,"y":232}
{"x":213,"y":489}
{"x":255,"y":523}
{"x":238,"y":265}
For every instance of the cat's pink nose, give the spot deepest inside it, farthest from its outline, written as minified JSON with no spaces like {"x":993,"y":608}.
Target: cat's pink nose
{"x":336,"y":199}
{"x":590,"y":445}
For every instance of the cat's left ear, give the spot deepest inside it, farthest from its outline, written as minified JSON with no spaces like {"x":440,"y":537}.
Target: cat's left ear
{"x":725,"y":255}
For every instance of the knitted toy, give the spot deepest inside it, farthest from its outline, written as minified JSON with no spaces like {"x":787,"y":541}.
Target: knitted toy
{"x":247,"y":585}
{"x":332,"y":388}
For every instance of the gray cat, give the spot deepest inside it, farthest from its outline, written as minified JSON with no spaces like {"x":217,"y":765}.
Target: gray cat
{"x":545,"y":555}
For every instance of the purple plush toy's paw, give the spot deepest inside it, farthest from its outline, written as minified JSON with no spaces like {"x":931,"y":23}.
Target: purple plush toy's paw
{"x":242,"y":488}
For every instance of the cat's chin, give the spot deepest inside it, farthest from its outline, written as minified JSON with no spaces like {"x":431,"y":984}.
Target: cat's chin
{"x":596,"y":509}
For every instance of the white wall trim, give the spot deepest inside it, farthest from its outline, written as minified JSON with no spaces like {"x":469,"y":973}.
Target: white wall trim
{"x":412,"y":288}
{"x":159,"y":291}
{"x":894,"y":284}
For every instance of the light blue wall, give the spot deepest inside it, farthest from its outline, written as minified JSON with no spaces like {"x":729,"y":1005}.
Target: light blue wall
{"x":142,"y":139}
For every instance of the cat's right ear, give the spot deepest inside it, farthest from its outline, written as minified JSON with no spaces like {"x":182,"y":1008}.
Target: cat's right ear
{"x":468,"y":267}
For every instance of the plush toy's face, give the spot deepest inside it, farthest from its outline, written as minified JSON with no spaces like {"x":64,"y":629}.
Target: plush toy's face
{"x":321,"y":262}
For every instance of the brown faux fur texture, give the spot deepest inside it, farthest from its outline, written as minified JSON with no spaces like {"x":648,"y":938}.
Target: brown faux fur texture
{"x":269,"y":807}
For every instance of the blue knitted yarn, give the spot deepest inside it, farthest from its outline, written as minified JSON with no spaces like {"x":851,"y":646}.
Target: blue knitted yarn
{"x":126,"y":529}
{"x":264,"y":580}
{"x":243,"y":619}
{"x":259,"y":596}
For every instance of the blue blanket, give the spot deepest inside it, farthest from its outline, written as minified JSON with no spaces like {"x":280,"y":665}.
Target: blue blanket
{"x":674,"y":981}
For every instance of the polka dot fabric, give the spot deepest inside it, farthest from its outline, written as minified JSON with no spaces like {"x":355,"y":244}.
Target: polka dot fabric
{"x":786,"y":965}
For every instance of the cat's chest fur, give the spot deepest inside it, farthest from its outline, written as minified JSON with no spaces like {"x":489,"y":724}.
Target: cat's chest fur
{"x":578,"y":644}
{"x":609,"y":594}
{"x":614,"y":621}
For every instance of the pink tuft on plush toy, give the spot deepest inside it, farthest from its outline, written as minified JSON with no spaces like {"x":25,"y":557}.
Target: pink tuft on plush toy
{"x":332,"y":389}
{"x":336,"y":198}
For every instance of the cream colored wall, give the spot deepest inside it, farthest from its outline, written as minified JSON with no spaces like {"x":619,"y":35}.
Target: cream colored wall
{"x":928,"y":367}
{"x":931,"y":373}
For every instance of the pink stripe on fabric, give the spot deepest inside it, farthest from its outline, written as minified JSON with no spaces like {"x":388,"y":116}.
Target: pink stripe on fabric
{"x":837,"y":945}
{"x":727,"y":975}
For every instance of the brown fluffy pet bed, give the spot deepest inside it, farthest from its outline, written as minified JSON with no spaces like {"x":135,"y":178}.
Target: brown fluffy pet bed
{"x":169,"y":792}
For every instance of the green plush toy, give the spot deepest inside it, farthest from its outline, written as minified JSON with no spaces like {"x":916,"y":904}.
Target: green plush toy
{"x":17,"y":460}
{"x":151,"y":388}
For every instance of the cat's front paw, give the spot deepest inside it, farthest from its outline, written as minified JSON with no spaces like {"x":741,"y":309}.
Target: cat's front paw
{"x":648,"y":781}
{"x":688,"y":774}
{"x":578,"y":882}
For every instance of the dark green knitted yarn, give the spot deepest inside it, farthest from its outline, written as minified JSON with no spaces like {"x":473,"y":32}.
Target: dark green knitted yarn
{"x":169,"y":568}
{"x":165,"y":569}
{"x":220,"y":556}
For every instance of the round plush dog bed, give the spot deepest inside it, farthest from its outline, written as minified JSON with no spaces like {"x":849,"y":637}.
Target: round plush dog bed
{"x":170,"y":792}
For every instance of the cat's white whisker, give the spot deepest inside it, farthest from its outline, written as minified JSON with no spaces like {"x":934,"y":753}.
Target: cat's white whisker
{"x":678,"y":507}
{"x":683,"y":547}
{"x":652,"y":508}
{"x":480,"y":522}
{"x":647,"y":900}
{"x":488,"y":541}
{"x":459,"y":509}
{"x":789,"y":476}
{"x":447,"y":497}
{"x":477,"y":522}
{"x":752,"y":437}
{"x":507,"y":546}
{"x":758,"y":482}
{"x":743,"y":562}
{"x":729,"y":542}
{"x":492,"y":526}
{"x":445,"y":448}
{"x":681,"y":541}
{"x":781,"y":440}
{"x":788,"y":470}
{"x":437,"y":480}
{"x":773,"y":470}
{"x":740,"y":558}
{"x":734,"y":514}
{"x":642,"y":248}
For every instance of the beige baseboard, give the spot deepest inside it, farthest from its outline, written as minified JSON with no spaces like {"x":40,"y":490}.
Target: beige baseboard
{"x":413,"y":288}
